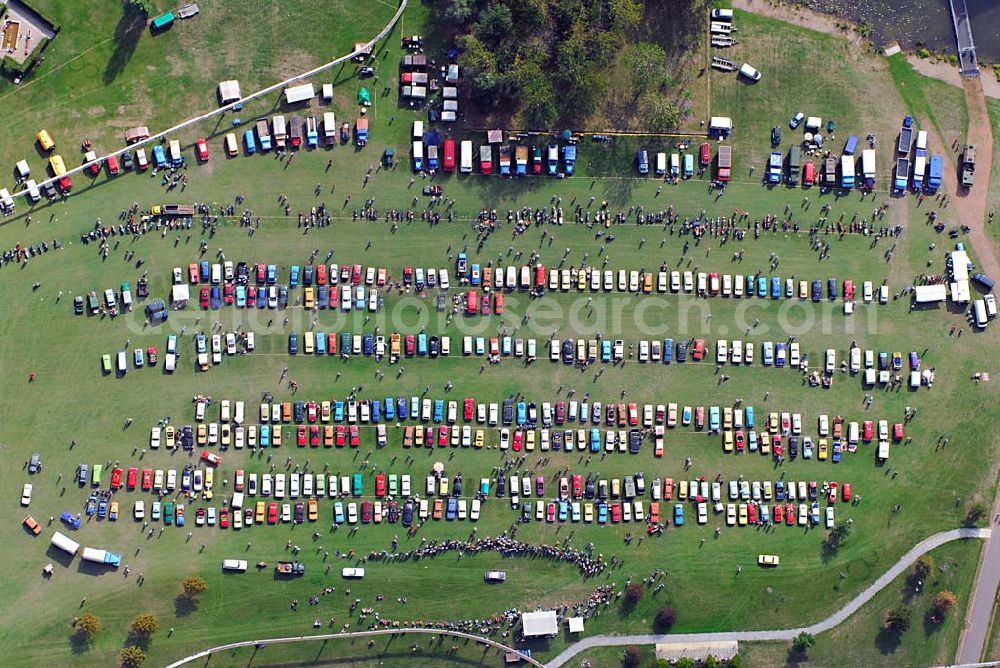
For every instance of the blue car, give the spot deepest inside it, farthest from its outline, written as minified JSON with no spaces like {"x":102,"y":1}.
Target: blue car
{"x":679,"y":514}
{"x":401,"y":405}
{"x":261,"y":298}
{"x":272,"y":274}
{"x":602,"y":513}
{"x":320,"y":343}
{"x":762,"y":286}
{"x":293,"y":343}
{"x":780,"y":355}
{"x":713,"y":418}
{"x":71,"y":520}
{"x":522,"y":413}
{"x":376,"y":412}
{"x":605,"y":350}
{"x":563,"y":511}
{"x":779,"y":490}
{"x":338,"y":512}
{"x":323,"y":296}
{"x":390,"y":409}
{"x":595,"y":440}
{"x":452,"y":511}
{"x":338,"y":411}
{"x":215,"y":297}
{"x":668,"y":350}
{"x":294,"y":279}
{"x":250,"y":142}
{"x":775,"y":287}
{"x":203,"y":270}
{"x":368,"y":344}
{"x":345,"y":343}
{"x":749,"y":417}
{"x":438,"y":410}
{"x":422,"y":345}
{"x":681,"y":351}
{"x":241,"y":296}
{"x":265,"y":435}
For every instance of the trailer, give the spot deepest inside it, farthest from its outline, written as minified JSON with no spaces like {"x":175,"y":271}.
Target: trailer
{"x":521,"y":159}
{"x":486,"y":159}
{"x":173,"y":210}
{"x":724,"y":169}
{"x":830,"y":172}
{"x":902,"y":174}
{"x":278,"y":125}
{"x":505,"y":160}
{"x":905,"y":137}
{"x":296,"y":94}
{"x":919,"y":168}
{"x":465,"y":164}
{"x":935,"y":173}
{"x":65,"y":543}
{"x":111,"y":559}
{"x":723,"y":64}
{"x":868,"y":168}
{"x":330,"y":128}
{"x":290,"y":568}
{"x":846,"y":172}
{"x":361,"y":131}
{"x":264,"y":134}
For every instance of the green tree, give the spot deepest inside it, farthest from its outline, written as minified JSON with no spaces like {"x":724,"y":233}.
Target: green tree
{"x":632,"y":656}
{"x":460,"y":11}
{"x":924,"y":567}
{"x":898,"y":620}
{"x":89,"y":624}
{"x":131,"y":656}
{"x":648,"y":64}
{"x":625,"y":15}
{"x":142,"y":5}
{"x":685,"y":662}
{"x":538,"y":98}
{"x":495,"y":24}
{"x":658,"y":113}
{"x":481,"y":68}
{"x":665,"y":617}
{"x":802,"y":643}
{"x":193,"y":585}
{"x":529,"y":15}
{"x":144,"y":625}
{"x":975,"y":515}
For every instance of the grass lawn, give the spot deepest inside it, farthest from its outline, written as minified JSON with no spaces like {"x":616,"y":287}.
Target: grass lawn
{"x":859,"y":641}
{"x":993,"y":106}
{"x":931,"y":100}
{"x":70,"y":400}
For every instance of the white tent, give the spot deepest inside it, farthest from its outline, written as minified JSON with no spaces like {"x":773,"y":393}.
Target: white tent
{"x":960,"y":292}
{"x":540,"y":623}
{"x":575,"y":624}
{"x":924,"y":294}
{"x":814,"y":123}
{"x":301,"y":93}
{"x":229,"y":91}
{"x":959,"y":265}
{"x":179,"y":295}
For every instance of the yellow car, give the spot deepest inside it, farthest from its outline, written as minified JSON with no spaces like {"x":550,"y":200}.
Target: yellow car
{"x":682,"y":490}
{"x":258,"y":515}
{"x":529,"y":441}
{"x":588,"y":512}
{"x":113,"y":511}
{"x":324,"y":411}
{"x":480,"y":438}
{"x":727,"y":442}
{"x":768,"y":560}
{"x":310,"y":299}
{"x":276,"y":435}
{"x":773,"y":423}
{"x":742,"y":515}
{"x":202,"y":434}
{"x":227,"y":434}
{"x":313,"y":510}
{"x":170,"y":436}
{"x":822,"y":449}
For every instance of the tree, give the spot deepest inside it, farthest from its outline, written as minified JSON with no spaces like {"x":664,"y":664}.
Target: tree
{"x":711,"y":662}
{"x":132,"y":656}
{"x":838,"y":535}
{"x":648,"y":64}
{"x":685,"y":662}
{"x":193,"y":585}
{"x":142,"y":5}
{"x":144,"y":625}
{"x":460,"y":11}
{"x":632,"y":656}
{"x":802,"y":642}
{"x":898,"y":620}
{"x":924,"y":567}
{"x":535,"y":90}
{"x":495,"y":24}
{"x":976,"y":514}
{"x":659,"y":113}
{"x":665,"y":618}
{"x":633,"y":593}
{"x":736,"y":661}
{"x":625,"y":15}
{"x":89,"y":624}
{"x":944,"y":602}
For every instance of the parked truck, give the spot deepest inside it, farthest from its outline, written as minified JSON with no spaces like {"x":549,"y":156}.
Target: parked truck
{"x":969,"y":165}
{"x":173,"y":210}
{"x":278,"y":125}
{"x":934,"y":174}
{"x":847,"y":172}
{"x":724,"y":169}
{"x":919,"y":168}
{"x":794,"y":164}
{"x":361,"y":131}
{"x":905,"y":136}
{"x":868,"y":168}
{"x":902,"y":174}
{"x":290,"y":568}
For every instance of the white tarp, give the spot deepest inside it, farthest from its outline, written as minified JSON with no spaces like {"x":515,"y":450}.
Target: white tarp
{"x":924,"y":294}
{"x":541,"y":623}
{"x":180,"y":294}
{"x":301,"y":93}
{"x":575,"y":624}
{"x":229,"y":91}
{"x":960,"y":292}
{"x":959,"y":265}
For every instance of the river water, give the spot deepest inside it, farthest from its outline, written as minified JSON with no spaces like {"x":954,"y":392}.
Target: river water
{"x":924,"y":22}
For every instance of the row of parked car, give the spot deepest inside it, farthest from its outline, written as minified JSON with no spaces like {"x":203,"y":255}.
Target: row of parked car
{"x":262,"y":274}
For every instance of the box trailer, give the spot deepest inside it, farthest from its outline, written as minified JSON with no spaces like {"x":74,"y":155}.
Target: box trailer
{"x":724,"y":169}
{"x":935,"y":173}
{"x":33,"y":193}
{"x":264,"y":134}
{"x":868,"y":167}
{"x":65,"y":543}
{"x":330,"y":128}
{"x":280,"y":134}
{"x":301,"y":93}
{"x":112,"y":559}
{"x":465,"y":165}
{"x":847,"y":172}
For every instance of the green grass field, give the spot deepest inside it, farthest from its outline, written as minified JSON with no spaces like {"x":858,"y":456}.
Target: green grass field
{"x":71,"y":401}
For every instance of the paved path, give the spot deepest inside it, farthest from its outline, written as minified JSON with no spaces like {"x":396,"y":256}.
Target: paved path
{"x":343,"y":636}
{"x":926,"y":545}
{"x":972,"y":209}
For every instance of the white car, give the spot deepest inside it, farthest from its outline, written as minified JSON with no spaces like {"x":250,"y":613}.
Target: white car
{"x":26,"y":494}
{"x":991,"y":305}
{"x":139,"y":509}
{"x":154,"y":437}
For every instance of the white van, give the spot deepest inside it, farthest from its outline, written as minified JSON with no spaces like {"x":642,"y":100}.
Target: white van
{"x":418,"y":130}
{"x":465,"y":164}
{"x":750,"y":72}
{"x":33,"y":194}
{"x":979,"y":313}
{"x":122,"y":361}
{"x":722,"y":15}
{"x":234,"y":565}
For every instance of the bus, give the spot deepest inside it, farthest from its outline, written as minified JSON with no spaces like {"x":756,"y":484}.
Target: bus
{"x":465,"y":166}
{"x":57,"y":165}
{"x":232,"y":148}
{"x":45,"y":140}
{"x":449,"y":156}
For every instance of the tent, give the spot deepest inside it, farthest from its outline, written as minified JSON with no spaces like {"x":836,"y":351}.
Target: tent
{"x":924,"y":294}
{"x":229,"y":91}
{"x":494,"y":136}
{"x":960,"y":292}
{"x":540,"y":623}
{"x":575,"y":624}
{"x":364,"y":97}
{"x":180,"y":295}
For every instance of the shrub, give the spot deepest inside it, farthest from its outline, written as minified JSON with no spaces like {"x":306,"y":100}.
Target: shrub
{"x":944,"y":602}
{"x":144,"y":625}
{"x":88,"y":624}
{"x":923,"y":53}
{"x":924,"y":567}
{"x":975,"y":515}
{"x":193,"y":585}
{"x":898,"y":620}
{"x":632,"y":656}
{"x":665,"y":618}
{"x":132,"y":656}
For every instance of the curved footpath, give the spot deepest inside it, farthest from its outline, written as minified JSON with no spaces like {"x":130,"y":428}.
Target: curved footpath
{"x":345,"y":636}
{"x":924,"y":546}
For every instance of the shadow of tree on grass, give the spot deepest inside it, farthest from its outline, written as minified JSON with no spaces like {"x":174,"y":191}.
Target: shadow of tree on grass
{"x":127,"y":33}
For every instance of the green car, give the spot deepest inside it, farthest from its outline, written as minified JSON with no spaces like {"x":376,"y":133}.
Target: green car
{"x":393,"y":484}
{"x":357,"y":485}
{"x":106,"y":364}
{"x":168,"y":512}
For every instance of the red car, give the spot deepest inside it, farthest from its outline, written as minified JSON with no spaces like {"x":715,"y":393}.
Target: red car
{"x":380,"y":485}
{"x":897,"y":431}
{"x":713,"y":283}
{"x":252,"y":295}
{"x":832,"y":496}
{"x":261,"y":274}
{"x":203,"y":301}
{"x":272,"y":513}
{"x":366,"y":512}
{"x":133,"y":475}
{"x":151,"y":354}
{"x":616,"y":512}
{"x":498,"y":304}
{"x":633,"y":414}
{"x":869,"y":430}
{"x":355,"y":438}
{"x":147,"y":479}
{"x":227,"y":293}
{"x":699,"y":350}
{"x":550,"y":512}
{"x":314,"y":436}
{"x":776,"y":449}
{"x":699,"y":417}
{"x":224,"y":518}
{"x":193,"y":273}
{"x":845,"y":492}
{"x":201,"y":147}
{"x":116,"y":478}
{"x":411,"y":346}
{"x":752,"y":513}
{"x":740,"y":441}
{"x":577,"y":486}
{"x":301,"y":435}
{"x":468,"y":409}
{"x":485,"y":308}
{"x":311,"y":413}
{"x":849,"y":291}
{"x":211,"y":457}
{"x":442,"y":436}
{"x":518,"y":441}
{"x":356,"y":274}
{"x":789,"y":514}
{"x":778,"y":513}
{"x":341,"y":435}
